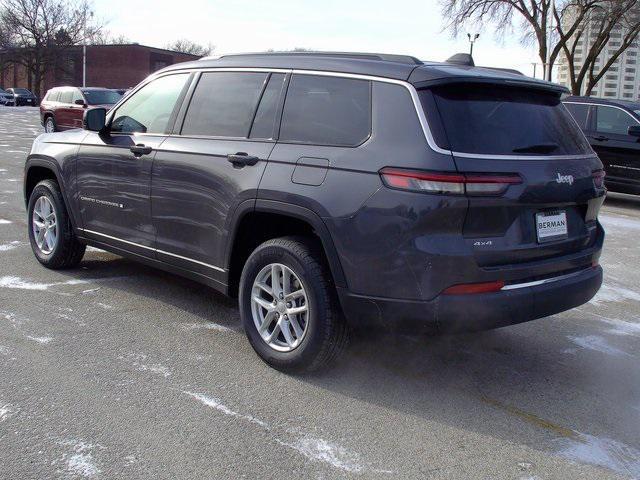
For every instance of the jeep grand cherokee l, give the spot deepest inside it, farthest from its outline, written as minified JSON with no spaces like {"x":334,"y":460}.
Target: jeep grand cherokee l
{"x":326,"y":190}
{"x":63,"y":108}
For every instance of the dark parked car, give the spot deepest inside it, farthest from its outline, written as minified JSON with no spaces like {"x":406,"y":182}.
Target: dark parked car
{"x":613,"y":130}
{"x":326,"y":190}
{"x":6,"y":98}
{"x":63,"y":108}
{"x":23,"y":97}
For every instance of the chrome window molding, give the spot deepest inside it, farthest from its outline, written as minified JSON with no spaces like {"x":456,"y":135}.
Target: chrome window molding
{"x":219,"y":269}
{"x":410,"y":88}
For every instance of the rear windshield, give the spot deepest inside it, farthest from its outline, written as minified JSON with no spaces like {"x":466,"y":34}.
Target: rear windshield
{"x":491,"y":120}
{"x":101,"y":97}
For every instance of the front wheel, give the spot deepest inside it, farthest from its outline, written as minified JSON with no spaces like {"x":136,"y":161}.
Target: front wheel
{"x":50,"y":231}
{"x":288,"y":306}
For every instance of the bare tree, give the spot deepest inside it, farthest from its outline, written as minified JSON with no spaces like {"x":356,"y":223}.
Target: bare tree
{"x":187,"y":46}
{"x":42,"y":29}
{"x":571,"y":19}
{"x":107,"y":38}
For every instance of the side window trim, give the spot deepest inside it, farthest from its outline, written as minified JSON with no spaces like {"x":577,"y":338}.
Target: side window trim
{"x":279,"y":108}
{"x":255,"y":109}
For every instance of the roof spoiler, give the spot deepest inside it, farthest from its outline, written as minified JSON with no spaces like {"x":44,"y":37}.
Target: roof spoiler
{"x":461,"y":59}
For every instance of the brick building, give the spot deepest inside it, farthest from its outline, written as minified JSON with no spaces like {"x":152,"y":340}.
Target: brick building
{"x":110,"y":66}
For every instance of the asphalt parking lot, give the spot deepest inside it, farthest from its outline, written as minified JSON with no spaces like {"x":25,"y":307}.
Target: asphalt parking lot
{"x":115,"y":370}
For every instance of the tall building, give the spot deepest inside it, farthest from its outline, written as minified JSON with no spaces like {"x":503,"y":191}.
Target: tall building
{"x":622,"y":80}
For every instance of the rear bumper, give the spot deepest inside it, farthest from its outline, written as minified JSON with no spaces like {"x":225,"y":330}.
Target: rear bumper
{"x":456,"y":313}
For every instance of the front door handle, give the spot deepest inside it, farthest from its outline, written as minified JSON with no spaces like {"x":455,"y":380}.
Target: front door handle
{"x":140,"y":149}
{"x":242,"y":159}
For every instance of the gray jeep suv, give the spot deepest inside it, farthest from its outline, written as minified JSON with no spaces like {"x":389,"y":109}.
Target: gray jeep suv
{"x":334,"y":190}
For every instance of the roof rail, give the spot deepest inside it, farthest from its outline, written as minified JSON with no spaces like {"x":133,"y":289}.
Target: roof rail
{"x":386,"y":57}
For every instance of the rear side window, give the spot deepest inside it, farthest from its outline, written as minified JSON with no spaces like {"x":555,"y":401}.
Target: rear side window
{"x":324,"y":110}
{"x":494,"y":120}
{"x":580,"y":112}
{"x":613,"y":120}
{"x":264,"y":123}
{"x":223,"y":104}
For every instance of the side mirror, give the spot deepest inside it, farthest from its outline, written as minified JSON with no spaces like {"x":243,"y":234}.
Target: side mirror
{"x":95,"y":119}
{"x":634,"y":131}
{"x":79,"y":101}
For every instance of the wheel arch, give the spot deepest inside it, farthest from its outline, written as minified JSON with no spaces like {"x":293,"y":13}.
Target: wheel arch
{"x":38,"y":168}
{"x":300,"y":221}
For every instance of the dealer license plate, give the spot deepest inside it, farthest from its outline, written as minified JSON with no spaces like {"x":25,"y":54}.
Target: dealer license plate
{"x":551,"y":225}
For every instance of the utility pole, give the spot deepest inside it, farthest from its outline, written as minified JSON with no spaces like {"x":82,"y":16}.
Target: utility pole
{"x":472,"y":40}
{"x":551,"y":21}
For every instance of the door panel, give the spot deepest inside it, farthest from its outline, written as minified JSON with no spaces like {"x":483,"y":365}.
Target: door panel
{"x":195,"y":189}
{"x":114,"y":188}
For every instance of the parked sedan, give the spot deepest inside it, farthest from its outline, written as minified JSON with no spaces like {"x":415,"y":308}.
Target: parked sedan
{"x":6,"y":98}
{"x":63,"y":107}
{"x":613,"y":130}
{"x":23,"y":97}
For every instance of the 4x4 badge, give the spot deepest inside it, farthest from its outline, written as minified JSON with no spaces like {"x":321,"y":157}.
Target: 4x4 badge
{"x":565,"y":179}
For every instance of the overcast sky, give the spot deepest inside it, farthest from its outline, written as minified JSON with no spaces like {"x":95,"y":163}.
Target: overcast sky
{"x":411,"y":27}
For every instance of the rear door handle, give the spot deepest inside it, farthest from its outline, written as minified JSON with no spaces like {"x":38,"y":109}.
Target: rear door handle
{"x":601,"y":138}
{"x":140,"y":149}
{"x":242,"y":159}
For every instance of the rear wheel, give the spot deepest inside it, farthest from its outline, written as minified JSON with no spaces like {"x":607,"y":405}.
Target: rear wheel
{"x":288,"y":307}
{"x":50,"y":231}
{"x":50,"y":125}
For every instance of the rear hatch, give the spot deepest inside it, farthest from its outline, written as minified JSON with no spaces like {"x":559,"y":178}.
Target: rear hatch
{"x":548,"y":180}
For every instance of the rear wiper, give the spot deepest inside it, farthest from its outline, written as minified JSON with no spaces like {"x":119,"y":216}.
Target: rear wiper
{"x":538,"y":148}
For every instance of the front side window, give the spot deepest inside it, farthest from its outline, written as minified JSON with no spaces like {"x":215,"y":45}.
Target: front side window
{"x":223,"y":104}
{"x":495,"y":120}
{"x":323,"y":110}
{"x":77,"y":96}
{"x":149,"y":109}
{"x":614,"y":121}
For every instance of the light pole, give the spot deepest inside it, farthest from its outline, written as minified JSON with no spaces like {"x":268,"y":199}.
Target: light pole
{"x":84,"y":49}
{"x":472,"y":40}
{"x":547,"y":68}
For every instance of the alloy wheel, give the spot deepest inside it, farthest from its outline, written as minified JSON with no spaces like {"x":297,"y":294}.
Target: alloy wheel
{"x":45,"y":225}
{"x":280,"y":307}
{"x":49,"y":126}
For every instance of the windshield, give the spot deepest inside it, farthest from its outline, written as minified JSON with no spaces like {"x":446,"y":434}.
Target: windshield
{"x":101,"y":97}
{"x":494,"y":120}
{"x":22,"y":91}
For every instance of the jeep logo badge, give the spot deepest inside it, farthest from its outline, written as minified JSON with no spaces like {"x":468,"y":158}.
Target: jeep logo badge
{"x":564,"y":179}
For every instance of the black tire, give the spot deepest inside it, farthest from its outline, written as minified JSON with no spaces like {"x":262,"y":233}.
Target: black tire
{"x":68,"y":251}
{"x":52,"y":120}
{"x":326,"y":335}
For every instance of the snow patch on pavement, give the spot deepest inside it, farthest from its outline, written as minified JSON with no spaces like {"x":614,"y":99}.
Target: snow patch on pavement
{"x":610,"y":293}
{"x":5,"y":247}
{"x":206,"y":326}
{"x":324,"y":451}
{"x":4,"y":222}
{"x":603,"y":452}
{"x":80,"y":461}
{"x":19,"y":283}
{"x":610,"y":222}
{"x":598,"y":344}
{"x":219,"y":406}
{"x":41,"y":340}
{"x":7,"y":411}
{"x":138,"y":362}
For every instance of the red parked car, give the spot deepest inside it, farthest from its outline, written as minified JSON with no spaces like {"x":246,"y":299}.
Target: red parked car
{"x":63,"y":107}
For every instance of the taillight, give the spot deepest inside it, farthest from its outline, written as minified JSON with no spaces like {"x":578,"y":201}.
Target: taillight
{"x":452,"y":183}
{"x":598,"y":178}
{"x":472,"y":288}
